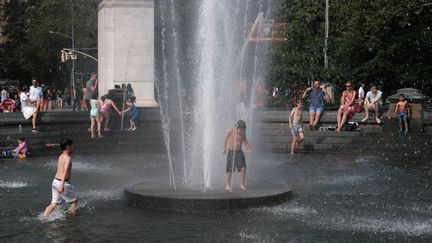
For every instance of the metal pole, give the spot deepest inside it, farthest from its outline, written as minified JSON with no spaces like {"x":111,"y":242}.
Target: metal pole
{"x":326,"y":34}
{"x":122,"y":117}
{"x":73,"y":52}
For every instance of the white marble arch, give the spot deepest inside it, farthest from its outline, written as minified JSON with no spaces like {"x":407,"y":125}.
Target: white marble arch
{"x":126,"y":47}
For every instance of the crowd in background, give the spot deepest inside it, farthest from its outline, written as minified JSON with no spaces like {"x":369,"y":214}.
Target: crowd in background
{"x":52,"y":98}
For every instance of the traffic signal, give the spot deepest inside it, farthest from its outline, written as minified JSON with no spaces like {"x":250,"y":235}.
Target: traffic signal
{"x":63,"y":56}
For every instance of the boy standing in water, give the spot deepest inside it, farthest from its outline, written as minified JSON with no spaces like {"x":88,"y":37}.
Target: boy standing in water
{"x":62,"y":190}
{"x":234,"y":140}
{"x":404,"y":113}
{"x":296,"y":125}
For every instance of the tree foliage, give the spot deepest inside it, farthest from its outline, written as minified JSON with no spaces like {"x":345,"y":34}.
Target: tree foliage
{"x":30,"y":50}
{"x":385,"y":41}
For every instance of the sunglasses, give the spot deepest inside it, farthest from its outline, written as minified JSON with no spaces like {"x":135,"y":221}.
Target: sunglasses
{"x":349,"y":85}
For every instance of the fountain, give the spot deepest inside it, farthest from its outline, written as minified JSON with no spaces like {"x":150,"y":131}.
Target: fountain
{"x":204,"y":53}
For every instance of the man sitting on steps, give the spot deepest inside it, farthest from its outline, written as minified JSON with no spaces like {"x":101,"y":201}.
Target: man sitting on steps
{"x":373,"y":101}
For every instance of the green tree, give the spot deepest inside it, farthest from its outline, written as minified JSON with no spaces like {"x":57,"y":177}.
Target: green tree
{"x":30,"y":50}
{"x":371,"y":40}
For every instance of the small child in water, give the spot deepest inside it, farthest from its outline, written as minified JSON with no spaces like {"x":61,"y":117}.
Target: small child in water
{"x":404,"y":113}
{"x":296,"y":125}
{"x":134,"y":113}
{"x":21,"y":150}
{"x":233,"y":142}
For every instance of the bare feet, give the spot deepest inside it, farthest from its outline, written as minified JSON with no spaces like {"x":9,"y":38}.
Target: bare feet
{"x":227,"y":188}
{"x":133,"y":129}
{"x":243,"y":188}
{"x":364,"y":119}
{"x":100,"y":136}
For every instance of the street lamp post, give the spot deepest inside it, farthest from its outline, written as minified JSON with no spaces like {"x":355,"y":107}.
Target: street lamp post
{"x":326,"y":33}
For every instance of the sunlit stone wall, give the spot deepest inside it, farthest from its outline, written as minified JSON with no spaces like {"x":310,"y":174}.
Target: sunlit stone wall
{"x":126,"y":47}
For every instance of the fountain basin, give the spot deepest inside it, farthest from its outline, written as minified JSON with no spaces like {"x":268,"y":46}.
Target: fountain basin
{"x":162,"y":197}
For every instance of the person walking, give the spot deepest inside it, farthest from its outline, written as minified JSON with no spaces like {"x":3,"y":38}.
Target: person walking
{"x":62,"y":189}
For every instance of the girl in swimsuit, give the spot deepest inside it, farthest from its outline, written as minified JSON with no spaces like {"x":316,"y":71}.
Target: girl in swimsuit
{"x":106,"y":109}
{"x":95,"y":116}
{"x":347,"y":105}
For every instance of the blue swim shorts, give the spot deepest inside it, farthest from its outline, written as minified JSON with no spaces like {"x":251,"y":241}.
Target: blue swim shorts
{"x":296,"y":129}
{"x":403,"y":117}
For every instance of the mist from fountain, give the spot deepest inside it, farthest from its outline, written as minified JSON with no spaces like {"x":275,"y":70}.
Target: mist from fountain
{"x":199,"y":69}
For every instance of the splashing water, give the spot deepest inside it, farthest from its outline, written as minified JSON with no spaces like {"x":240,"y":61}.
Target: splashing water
{"x":204,"y":55}
{"x":13,"y":184}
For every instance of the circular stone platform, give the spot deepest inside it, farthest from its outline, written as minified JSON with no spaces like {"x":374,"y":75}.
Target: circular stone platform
{"x":149,"y":196}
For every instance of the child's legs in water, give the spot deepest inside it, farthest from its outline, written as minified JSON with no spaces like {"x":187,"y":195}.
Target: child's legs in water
{"x":293,"y":144}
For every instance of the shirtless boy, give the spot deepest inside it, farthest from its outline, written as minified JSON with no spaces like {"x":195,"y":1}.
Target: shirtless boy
{"x":235,"y":158}
{"x":62,"y":190}
{"x":296,"y":126}
{"x":404,"y":113}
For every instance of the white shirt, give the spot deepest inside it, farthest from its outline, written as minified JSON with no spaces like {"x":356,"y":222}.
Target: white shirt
{"x":372,"y":98}
{"x":35,"y":93}
{"x":4,"y":95}
{"x":23,"y":98}
{"x":361,"y":93}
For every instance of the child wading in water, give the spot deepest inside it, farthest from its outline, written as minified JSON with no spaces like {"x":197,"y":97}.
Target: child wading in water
{"x":95,"y":116}
{"x":134,"y":113}
{"x":61,"y":189}
{"x":404,"y":113}
{"x":296,"y":126}
{"x":234,"y":140}
{"x":19,"y":152}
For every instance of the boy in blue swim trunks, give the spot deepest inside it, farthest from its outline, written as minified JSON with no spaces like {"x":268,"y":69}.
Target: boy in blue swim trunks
{"x":404,"y":113}
{"x":296,"y":125}
{"x":235,"y":158}
{"x":134,"y":113}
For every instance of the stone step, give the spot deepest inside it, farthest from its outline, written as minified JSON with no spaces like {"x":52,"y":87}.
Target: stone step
{"x":312,"y":140}
{"x":85,"y":138}
{"x":46,"y":130}
{"x":348,"y":149}
{"x":98,"y":146}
